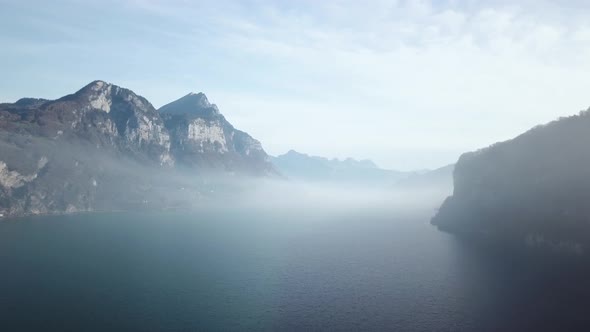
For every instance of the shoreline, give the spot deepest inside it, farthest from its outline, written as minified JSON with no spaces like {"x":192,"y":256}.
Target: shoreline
{"x":20,"y":217}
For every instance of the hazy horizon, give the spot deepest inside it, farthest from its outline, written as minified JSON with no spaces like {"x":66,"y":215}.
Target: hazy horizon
{"x":401,"y":83}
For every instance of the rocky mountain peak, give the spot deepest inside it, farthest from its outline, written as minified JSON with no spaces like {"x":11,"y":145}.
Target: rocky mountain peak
{"x":192,"y":104}
{"x":202,"y":137}
{"x":98,"y":85}
{"x":103,"y":96}
{"x":95,"y":88}
{"x":97,"y":94}
{"x":199,"y":98}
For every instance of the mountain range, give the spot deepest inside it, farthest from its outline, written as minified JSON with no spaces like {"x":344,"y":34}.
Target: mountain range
{"x":104,"y":147}
{"x":303,"y":167}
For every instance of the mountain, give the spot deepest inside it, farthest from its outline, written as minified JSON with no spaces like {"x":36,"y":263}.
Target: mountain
{"x":440,"y":178}
{"x":203,"y":138}
{"x":299,"y":166}
{"x":531,"y":191}
{"x":101,"y":114}
{"x":106,"y":148}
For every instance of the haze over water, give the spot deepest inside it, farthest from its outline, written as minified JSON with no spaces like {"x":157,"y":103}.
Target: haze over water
{"x":372,"y":267}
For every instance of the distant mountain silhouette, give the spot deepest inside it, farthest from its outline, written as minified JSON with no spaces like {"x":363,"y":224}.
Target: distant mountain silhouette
{"x":300,"y":166}
{"x":440,"y":178}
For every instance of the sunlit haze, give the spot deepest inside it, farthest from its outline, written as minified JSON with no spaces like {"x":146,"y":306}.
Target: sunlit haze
{"x":400,"y":82}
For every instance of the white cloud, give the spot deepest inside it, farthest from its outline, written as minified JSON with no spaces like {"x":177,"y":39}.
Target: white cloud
{"x":348,"y":78}
{"x":413,"y":76}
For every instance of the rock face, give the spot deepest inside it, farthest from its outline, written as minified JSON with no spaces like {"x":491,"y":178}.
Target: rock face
{"x":102,"y":114}
{"x":202,"y":138}
{"x":106,"y":148}
{"x":300,"y":166}
{"x":531,"y":191}
{"x":108,"y":115}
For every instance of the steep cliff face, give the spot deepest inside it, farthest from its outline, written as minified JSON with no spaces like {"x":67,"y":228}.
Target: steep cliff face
{"x":532,"y":190}
{"x":201,"y":137}
{"x":106,"y":148}
{"x":111,"y":116}
{"x":59,"y":156}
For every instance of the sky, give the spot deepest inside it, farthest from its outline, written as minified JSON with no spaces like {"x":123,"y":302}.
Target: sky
{"x":407,"y":84}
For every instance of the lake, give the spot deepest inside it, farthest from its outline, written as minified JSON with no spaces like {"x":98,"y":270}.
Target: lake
{"x":235,"y":269}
